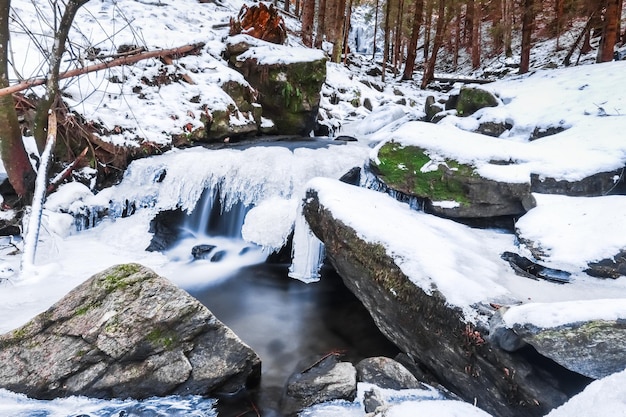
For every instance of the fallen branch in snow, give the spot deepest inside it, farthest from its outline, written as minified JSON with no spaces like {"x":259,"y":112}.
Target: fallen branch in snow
{"x":443,"y":79}
{"x":31,"y":234}
{"x":124,"y":60}
{"x":56,"y":181}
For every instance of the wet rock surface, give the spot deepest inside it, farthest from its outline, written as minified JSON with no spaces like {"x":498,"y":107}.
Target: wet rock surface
{"x":125,"y":332}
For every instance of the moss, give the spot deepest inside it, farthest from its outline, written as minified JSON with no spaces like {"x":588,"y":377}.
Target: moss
{"x":81,"y":311}
{"x":473,"y":99}
{"x":116,"y":278}
{"x":162,"y":338}
{"x":400,"y":168}
{"x":586,"y":334}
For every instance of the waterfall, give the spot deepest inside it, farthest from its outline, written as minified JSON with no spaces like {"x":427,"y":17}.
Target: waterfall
{"x":211,"y":217}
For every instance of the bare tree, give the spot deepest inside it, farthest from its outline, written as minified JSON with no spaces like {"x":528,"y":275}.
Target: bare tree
{"x":14,"y":157}
{"x":507,"y":27}
{"x":377,"y":6}
{"x":397,"y":61}
{"x":52,"y":86}
{"x":610,"y":30}
{"x":528,"y":22}
{"x":308,"y":15}
{"x":418,"y":12}
{"x":387,"y":38}
{"x":429,"y":71}
{"x":321,"y":20}
{"x":337,"y":33}
{"x":476,"y":38}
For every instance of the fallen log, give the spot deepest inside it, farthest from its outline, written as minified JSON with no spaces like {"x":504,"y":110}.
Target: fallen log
{"x":125,"y":60}
{"x":443,"y":79}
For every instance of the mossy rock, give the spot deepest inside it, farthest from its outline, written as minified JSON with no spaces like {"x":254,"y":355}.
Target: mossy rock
{"x":411,"y":170}
{"x":447,"y":187}
{"x":288,"y":92}
{"x":472,"y":99}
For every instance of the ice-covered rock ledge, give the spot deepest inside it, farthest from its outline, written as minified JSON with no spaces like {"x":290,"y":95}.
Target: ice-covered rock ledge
{"x":432,"y":285}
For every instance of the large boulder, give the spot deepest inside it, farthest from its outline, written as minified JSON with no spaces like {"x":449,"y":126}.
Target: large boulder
{"x":446,"y":187}
{"x":288,"y":80}
{"x":125,"y":332}
{"x":420,"y":320}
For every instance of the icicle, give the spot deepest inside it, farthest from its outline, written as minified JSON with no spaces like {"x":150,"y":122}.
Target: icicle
{"x":307,"y":254}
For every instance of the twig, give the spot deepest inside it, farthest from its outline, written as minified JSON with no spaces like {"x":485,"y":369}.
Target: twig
{"x":125,"y":60}
{"x":320,"y":360}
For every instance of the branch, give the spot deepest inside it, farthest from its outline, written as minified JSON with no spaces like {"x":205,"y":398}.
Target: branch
{"x":125,"y":60}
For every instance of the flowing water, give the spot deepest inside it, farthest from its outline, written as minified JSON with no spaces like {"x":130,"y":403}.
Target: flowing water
{"x":285,"y":321}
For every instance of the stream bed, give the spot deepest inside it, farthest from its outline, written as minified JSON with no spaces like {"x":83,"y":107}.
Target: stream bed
{"x":286,"y":321}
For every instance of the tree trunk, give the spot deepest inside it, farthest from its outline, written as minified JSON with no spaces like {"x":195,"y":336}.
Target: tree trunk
{"x":375,"y":30}
{"x":418,"y":13}
{"x":321,"y":18}
{"x":308,"y":15}
{"x":610,"y":31}
{"x":595,"y":11}
{"x":507,"y":21}
{"x":476,"y":38}
{"x":469,"y":23}
{"x":52,"y":86}
{"x":397,"y":61}
{"x":346,"y":31}
{"x":286,"y":8}
{"x":528,"y":20}
{"x":339,"y":21}
{"x":14,"y":157}
{"x":387,"y":36}
{"x":429,"y":72}
{"x":559,"y":6}
{"x":427,"y":28}
{"x":457,"y":37}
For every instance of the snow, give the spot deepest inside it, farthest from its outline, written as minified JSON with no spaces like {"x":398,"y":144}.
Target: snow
{"x":599,"y":399}
{"x":555,"y":314}
{"x":463,"y":263}
{"x":267,"y":53}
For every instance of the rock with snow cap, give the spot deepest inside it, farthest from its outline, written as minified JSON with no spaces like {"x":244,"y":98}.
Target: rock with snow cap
{"x":288,"y":80}
{"x":593,"y":347}
{"x":446,"y":187}
{"x":125,"y":332}
{"x":422,"y":321}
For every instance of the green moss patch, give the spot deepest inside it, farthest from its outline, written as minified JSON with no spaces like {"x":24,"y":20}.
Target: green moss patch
{"x":117,"y":277}
{"x":401,"y":166}
{"x":474,"y":99}
{"x":162,"y":338}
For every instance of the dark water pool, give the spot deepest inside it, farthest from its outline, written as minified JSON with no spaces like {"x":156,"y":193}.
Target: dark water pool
{"x":285,"y":321}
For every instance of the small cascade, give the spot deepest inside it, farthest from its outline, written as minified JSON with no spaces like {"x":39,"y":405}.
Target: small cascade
{"x":370,"y":181}
{"x":307,"y":252}
{"x":211,"y":218}
{"x":210,"y":247}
